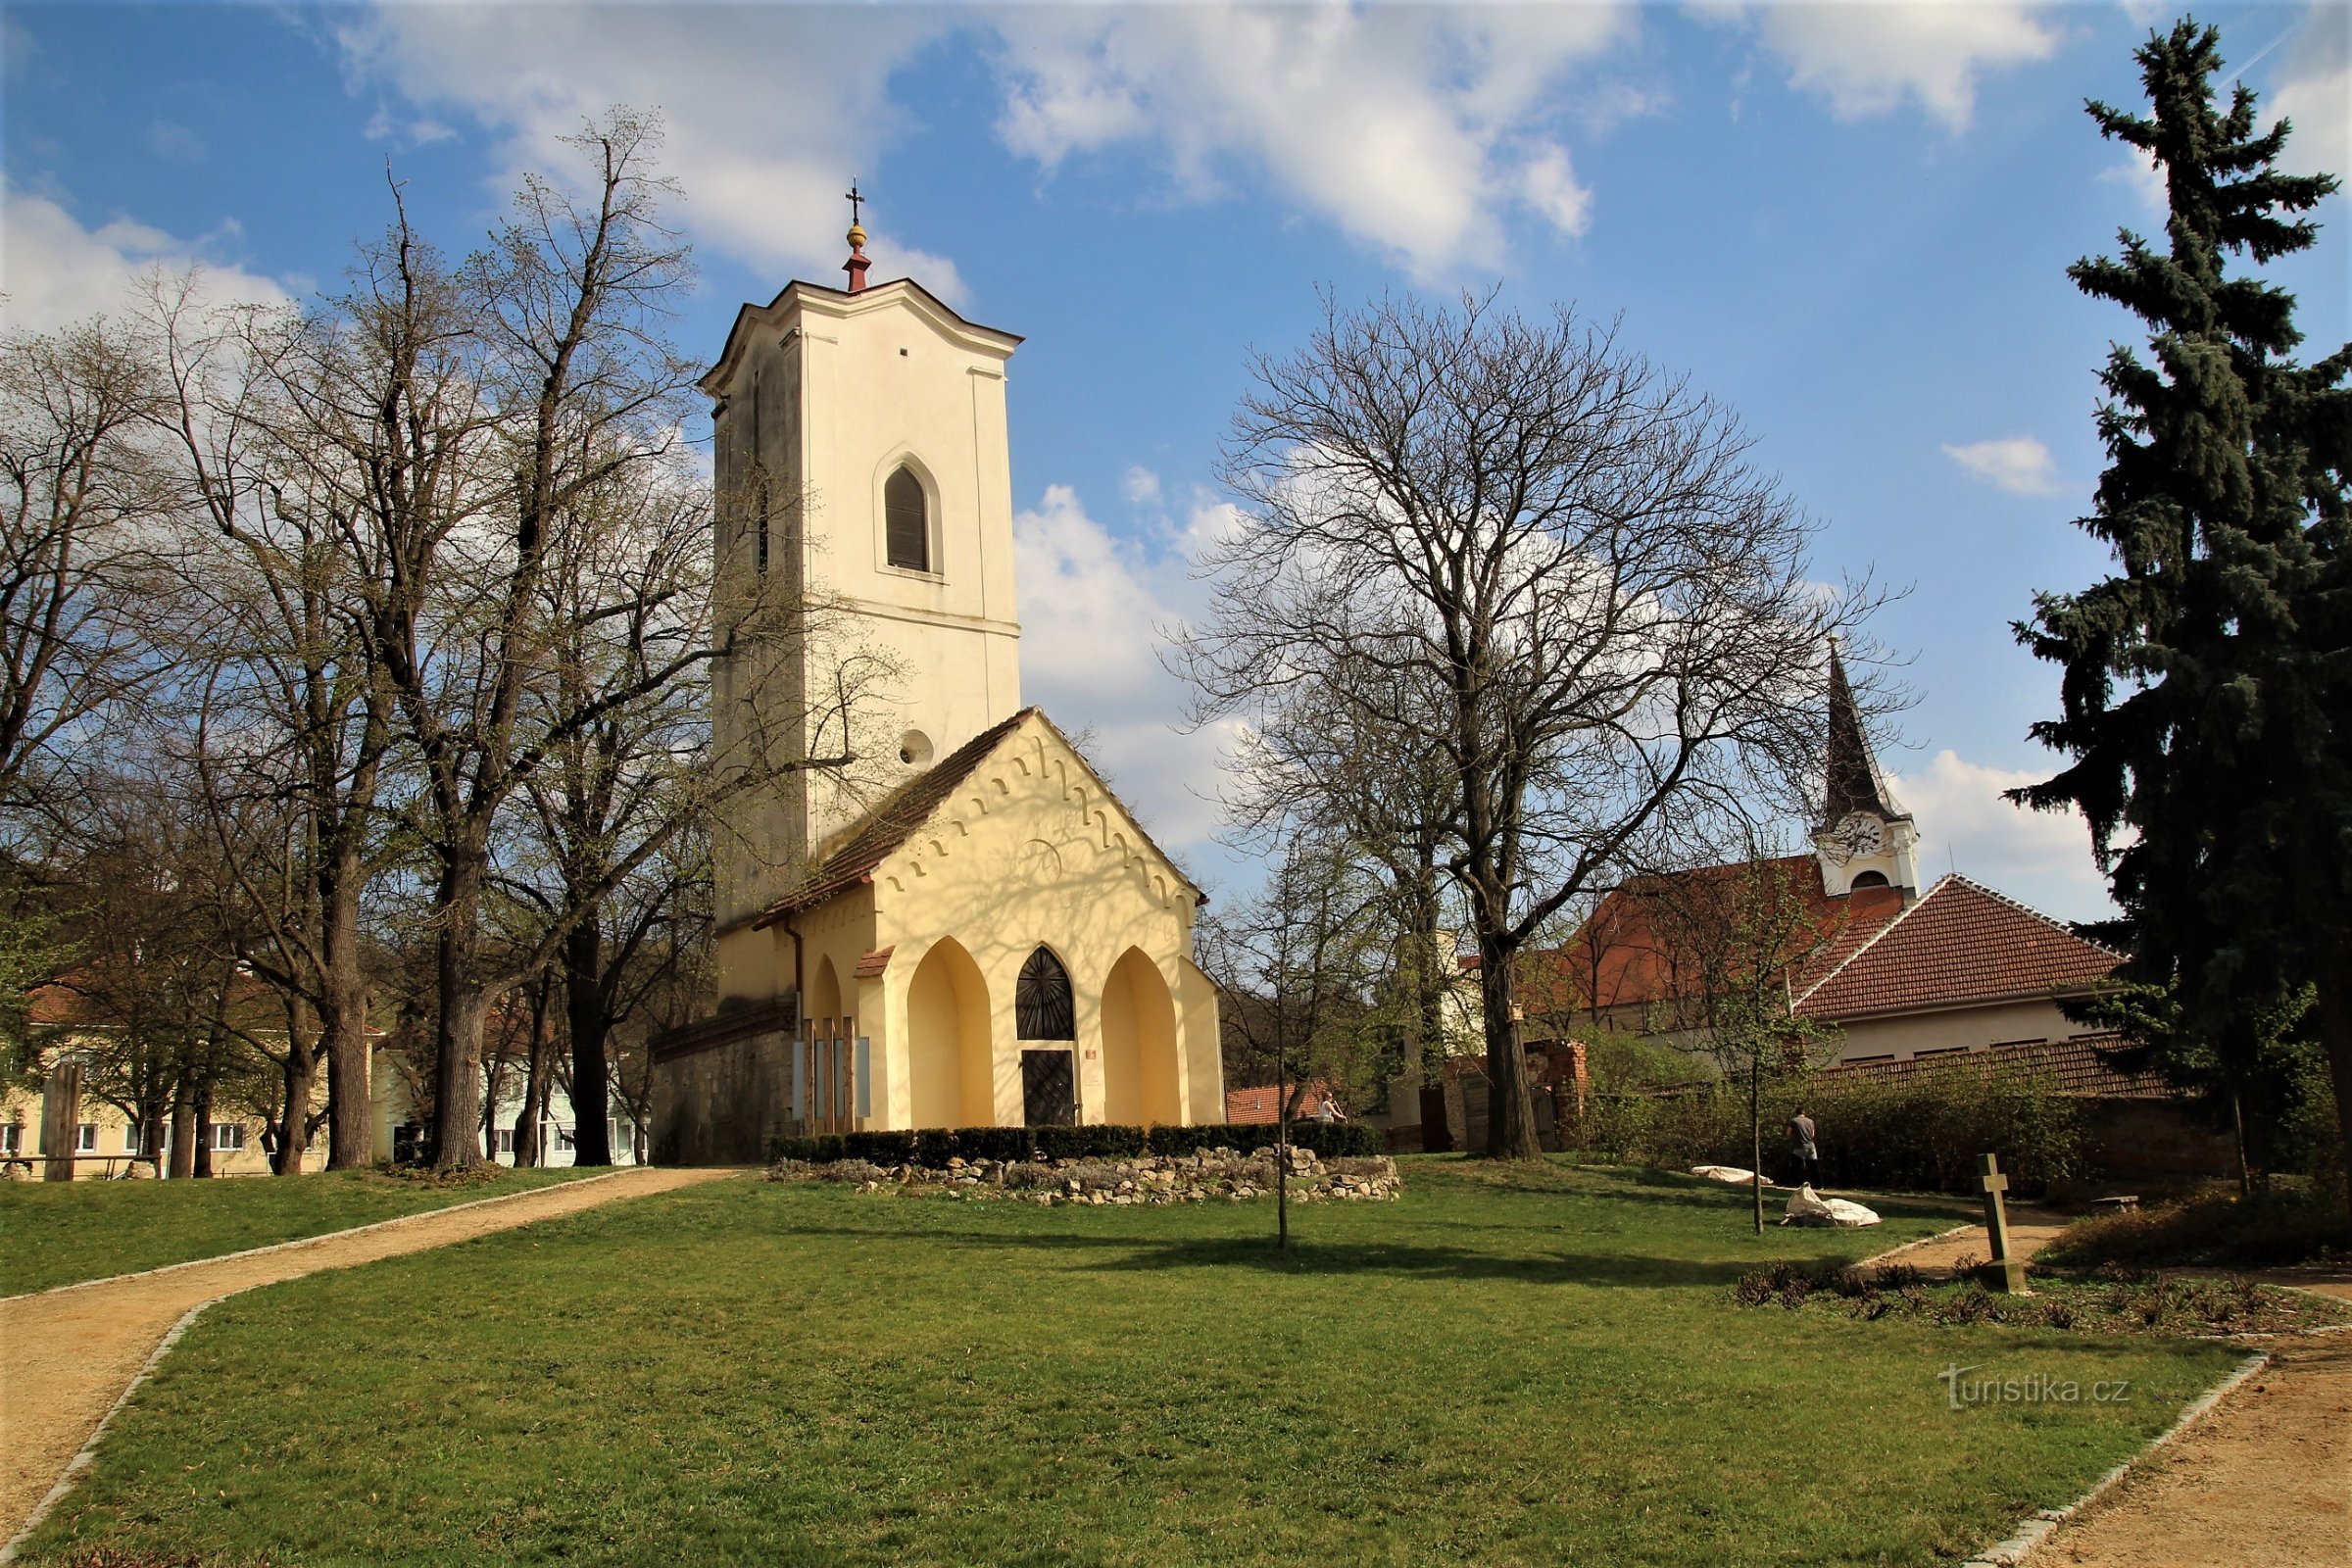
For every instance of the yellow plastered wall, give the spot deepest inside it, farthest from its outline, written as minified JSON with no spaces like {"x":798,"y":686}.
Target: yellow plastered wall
{"x":821,"y":397}
{"x":1032,"y":851}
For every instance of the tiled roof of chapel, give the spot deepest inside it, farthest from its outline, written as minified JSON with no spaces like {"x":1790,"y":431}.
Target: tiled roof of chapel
{"x":1962,"y":943}
{"x":866,"y":843}
{"x":894,"y":819}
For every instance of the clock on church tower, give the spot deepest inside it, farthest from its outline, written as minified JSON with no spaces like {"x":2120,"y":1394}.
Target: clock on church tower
{"x":1862,"y":840}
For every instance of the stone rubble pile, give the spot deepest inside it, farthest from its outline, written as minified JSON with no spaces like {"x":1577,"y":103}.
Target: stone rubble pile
{"x":1197,"y":1178}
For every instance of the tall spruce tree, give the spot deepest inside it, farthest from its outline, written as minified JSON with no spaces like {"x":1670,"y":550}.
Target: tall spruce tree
{"x":2208,"y":682}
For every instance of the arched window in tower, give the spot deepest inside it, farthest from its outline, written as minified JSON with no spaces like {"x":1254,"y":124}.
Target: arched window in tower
{"x":764,"y":506}
{"x":1872,"y":879}
{"x":1042,"y":1005}
{"x":906,"y":522}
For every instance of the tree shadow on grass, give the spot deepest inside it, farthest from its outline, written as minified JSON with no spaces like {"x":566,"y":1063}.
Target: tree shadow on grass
{"x":1127,"y":1253}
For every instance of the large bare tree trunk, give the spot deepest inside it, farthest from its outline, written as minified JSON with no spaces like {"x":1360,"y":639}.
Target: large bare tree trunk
{"x":343,"y":1024}
{"x":585,"y":1014}
{"x":203,"y":1111}
{"x":1510,"y":1104}
{"x":458,"y":1030}
{"x":183,"y":1130}
{"x":299,"y":1075}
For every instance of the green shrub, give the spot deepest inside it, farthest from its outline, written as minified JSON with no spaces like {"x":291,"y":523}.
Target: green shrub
{"x":880,"y":1148}
{"x":1104,"y":1142}
{"x":2286,"y":1226}
{"x":821,"y":1150}
{"x":1919,"y":1133}
{"x":976,"y":1143}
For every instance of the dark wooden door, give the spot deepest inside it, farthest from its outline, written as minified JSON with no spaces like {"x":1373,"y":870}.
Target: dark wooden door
{"x":1048,"y":1092}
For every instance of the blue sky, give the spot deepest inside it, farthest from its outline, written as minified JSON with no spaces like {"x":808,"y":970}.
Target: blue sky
{"x":1851,"y":221}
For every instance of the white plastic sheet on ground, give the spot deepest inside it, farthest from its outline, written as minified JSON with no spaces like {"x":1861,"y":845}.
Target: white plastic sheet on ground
{"x":1729,"y":1175}
{"x":1808,"y":1207}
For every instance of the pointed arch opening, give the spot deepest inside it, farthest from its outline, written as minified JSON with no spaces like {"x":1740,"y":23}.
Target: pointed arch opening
{"x":1141,"y":1083}
{"x":906,"y":522}
{"x":951,"y":1068}
{"x":1044,"y":1007}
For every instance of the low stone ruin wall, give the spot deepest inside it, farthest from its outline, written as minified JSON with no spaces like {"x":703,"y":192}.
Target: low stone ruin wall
{"x":1210,"y":1175}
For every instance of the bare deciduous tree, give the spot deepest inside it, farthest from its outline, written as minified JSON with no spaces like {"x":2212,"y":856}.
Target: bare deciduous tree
{"x":79,"y":494}
{"x":1600,"y":606}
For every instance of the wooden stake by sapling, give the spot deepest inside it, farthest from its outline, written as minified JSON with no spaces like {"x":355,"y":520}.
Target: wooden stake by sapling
{"x":2006,"y":1271}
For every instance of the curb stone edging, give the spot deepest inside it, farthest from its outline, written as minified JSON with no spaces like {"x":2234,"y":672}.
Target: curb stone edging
{"x":325,"y":1236}
{"x":87,"y":1454}
{"x":2031,"y":1531}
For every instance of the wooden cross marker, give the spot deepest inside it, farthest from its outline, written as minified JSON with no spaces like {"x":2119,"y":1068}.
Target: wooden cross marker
{"x":2006,"y":1271}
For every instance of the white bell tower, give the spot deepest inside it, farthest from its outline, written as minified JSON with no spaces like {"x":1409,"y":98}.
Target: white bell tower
{"x":862,"y":468}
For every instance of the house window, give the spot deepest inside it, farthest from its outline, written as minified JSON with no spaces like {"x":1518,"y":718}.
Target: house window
{"x":85,"y":1137}
{"x":506,"y":1140}
{"x":906,"y":522}
{"x":229,"y":1137}
{"x":130,"y":1138}
{"x":1042,"y":1005}
{"x":12,"y":1138}
{"x":563,"y":1140}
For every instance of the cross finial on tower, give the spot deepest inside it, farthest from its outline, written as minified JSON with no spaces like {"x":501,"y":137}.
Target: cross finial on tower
{"x":857,"y":265}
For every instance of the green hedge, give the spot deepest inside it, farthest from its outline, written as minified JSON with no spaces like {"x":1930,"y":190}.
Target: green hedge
{"x":935,"y":1146}
{"x":1921,"y":1132}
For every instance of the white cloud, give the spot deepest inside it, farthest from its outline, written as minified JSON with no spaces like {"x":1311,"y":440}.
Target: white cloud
{"x":55,"y":271}
{"x":2315,"y":90}
{"x":1140,"y":486}
{"x":1410,"y":128}
{"x":175,"y":143}
{"x":1548,"y":185}
{"x":2019,"y":465}
{"x":1866,"y":57}
{"x":1091,"y":610}
{"x":773,"y":109}
{"x":2037,"y":857}
{"x":2138,"y":172}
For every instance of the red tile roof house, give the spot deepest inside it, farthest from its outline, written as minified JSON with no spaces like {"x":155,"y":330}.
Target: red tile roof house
{"x":1901,"y":973}
{"x":1255,"y":1108}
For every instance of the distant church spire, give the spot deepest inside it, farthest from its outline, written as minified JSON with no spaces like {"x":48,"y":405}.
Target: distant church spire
{"x":857,"y":265}
{"x":1853,"y":782}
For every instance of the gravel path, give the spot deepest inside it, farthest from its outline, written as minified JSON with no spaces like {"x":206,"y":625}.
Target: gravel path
{"x":2029,"y":1231}
{"x":67,"y":1355}
{"x":2263,"y":1482}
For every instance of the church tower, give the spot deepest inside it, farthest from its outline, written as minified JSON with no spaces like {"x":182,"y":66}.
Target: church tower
{"x":1863,"y":839}
{"x":860,"y":466}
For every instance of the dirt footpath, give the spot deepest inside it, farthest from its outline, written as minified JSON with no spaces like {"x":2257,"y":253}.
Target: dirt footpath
{"x":2029,"y":1231}
{"x":67,"y":1355}
{"x":2263,"y":1482}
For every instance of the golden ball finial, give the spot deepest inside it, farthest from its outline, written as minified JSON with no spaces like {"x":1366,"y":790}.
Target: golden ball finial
{"x":856,"y":234}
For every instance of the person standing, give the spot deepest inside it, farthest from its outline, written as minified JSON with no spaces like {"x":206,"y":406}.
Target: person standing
{"x":1802,"y":1145}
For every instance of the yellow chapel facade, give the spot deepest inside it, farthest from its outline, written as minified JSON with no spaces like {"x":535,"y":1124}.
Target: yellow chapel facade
{"x":944,"y":918}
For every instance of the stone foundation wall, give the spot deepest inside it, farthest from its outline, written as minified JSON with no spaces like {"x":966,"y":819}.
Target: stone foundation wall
{"x":719,"y":1104}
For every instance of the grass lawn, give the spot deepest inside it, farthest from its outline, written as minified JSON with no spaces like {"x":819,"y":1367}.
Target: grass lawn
{"x":1519,"y":1368}
{"x":57,"y":1233}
